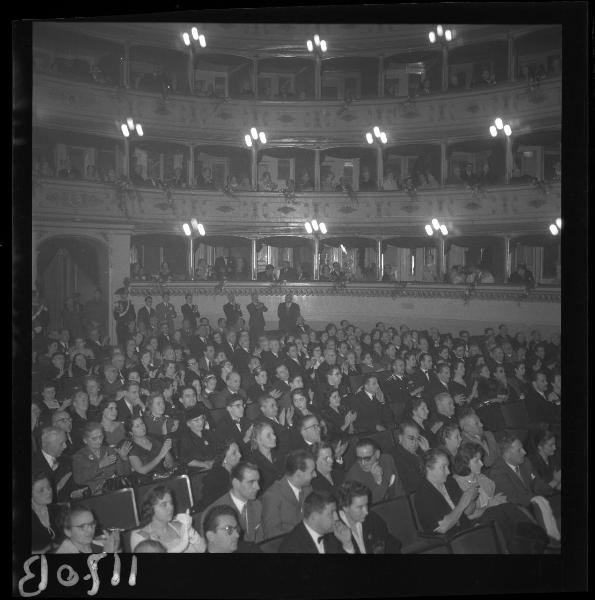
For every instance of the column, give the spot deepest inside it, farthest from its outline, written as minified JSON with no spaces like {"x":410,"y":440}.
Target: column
{"x":317,"y":169}
{"x":255,"y":77}
{"x":254,"y":261}
{"x":316,"y":260}
{"x":190,"y":258}
{"x":125,"y":74}
{"x":507,"y":257}
{"x":444,"y":68}
{"x":511,"y":60}
{"x":509,"y":160}
{"x":379,"y":168}
{"x":254,"y":169}
{"x":190,"y":165}
{"x":190,"y":70}
{"x":441,"y":257}
{"x":380,"y":76}
{"x":126,"y":157}
{"x":443,"y":163}
{"x":380,"y":266}
{"x":317,"y":78}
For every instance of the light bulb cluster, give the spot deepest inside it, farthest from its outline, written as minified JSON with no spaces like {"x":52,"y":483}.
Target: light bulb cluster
{"x":436,"y":226}
{"x":440,"y":33}
{"x":193,"y":226}
{"x":318,"y":44}
{"x":196,"y":36}
{"x":314,"y":226}
{"x":499,"y":125}
{"x":556,"y":227}
{"x":131,"y":127}
{"x":377,"y":134}
{"x":257,"y":136}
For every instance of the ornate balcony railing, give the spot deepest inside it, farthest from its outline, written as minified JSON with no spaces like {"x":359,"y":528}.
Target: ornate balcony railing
{"x":514,"y":208}
{"x":92,"y":109}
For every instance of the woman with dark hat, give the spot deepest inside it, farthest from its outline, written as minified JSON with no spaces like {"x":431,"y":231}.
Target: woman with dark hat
{"x":197,"y":443}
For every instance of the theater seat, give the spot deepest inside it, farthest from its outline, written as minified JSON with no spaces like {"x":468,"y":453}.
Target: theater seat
{"x":196,"y":480}
{"x":180,"y":487}
{"x":481,"y":539}
{"x":116,"y":510}
{"x":272,"y":545}
{"x":399,"y":520}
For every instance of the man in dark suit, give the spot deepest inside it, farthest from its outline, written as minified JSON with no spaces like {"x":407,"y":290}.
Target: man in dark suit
{"x":272,"y":358}
{"x":48,"y":461}
{"x":443,"y":414}
{"x":241,"y":356}
{"x":233,"y":383}
{"x":256,"y":310}
{"x":396,"y":390}
{"x":282,"y":502}
{"x":424,"y":375}
{"x":369,"y":533}
{"x":130,"y":405}
{"x":232,"y":312}
{"x":439,"y":382}
{"x":190,"y":311}
{"x":222,"y":532}
{"x":372,"y":412}
{"x":301,"y":327}
{"x":207,"y":364}
{"x":472,"y":431}
{"x":166,"y":313}
{"x":242,"y":497}
{"x":267,"y":275}
{"x":516,"y":478}
{"x":407,"y":456}
{"x":293,"y":362}
{"x":198,"y":343}
{"x":234,"y":425}
{"x":320,"y":531}
{"x":280,"y":422}
{"x":539,"y":406}
{"x":145,"y":313}
{"x":229,"y":344}
{"x":288,"y":312}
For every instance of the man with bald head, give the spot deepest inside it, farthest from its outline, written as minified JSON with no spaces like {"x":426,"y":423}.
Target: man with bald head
{"x":49,"y":461}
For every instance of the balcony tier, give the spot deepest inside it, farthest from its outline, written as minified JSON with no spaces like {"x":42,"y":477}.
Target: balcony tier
{"x":93,"y":109}
{"x":504,"y":209}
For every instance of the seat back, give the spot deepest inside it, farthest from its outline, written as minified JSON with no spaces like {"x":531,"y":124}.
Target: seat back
{"x":411,"y":499}
{"x":196,"y":482}
{"x":482,"y":539}
{"x":492,"y":418}
{"x":356,"y":382}
{"x":397,"y":515}
{"x":181,"y":492}
{"x":515,"y":415}
{"x":272,"y":545}
{"x":116,"y":510}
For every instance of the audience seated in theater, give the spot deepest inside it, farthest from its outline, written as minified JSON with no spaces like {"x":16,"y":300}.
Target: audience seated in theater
{"x":376,"y":471}
{"x":338,"y":418}
{"x":372,"y":411}
{"x":197,"y":442}
{"x":223,"y":532}
{"x":161,"y":524}
{"x":545,"y":460}
{"x":330,"y":471}
{"x":369,"y":533}
{"x":265,"y":452}
{"x":542,"y":407}
{"x":283,"y":502}
{"x":444,"y":412}
{"x":78,"y":525}
{"x":472,"y":431}
{"x":449,"y":440}
{"x":44,"y":515}
{"x":407,"y":455}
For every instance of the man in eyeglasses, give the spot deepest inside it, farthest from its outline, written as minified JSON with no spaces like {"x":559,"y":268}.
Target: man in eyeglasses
{"x":309,"y":434}
{"x":63,"y":421}
{"x":375,"y":470}
{"x":234,"y":425}
{"x":407,"y":456}
{"x":222,"y":532}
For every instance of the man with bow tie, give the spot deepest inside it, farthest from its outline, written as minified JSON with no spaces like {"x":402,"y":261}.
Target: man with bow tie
{"x":234,"y":425}
{"x":372,"y":411}
{"x":166,"y":313}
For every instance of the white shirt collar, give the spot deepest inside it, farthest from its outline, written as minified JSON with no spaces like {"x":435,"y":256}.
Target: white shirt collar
{"x":315,"y":535}
{"x":296,"y":491}
{"x":356,"y":530}
{"x":371,"y":396}
{"x":239,"y":503}
{"x":51,"y":460}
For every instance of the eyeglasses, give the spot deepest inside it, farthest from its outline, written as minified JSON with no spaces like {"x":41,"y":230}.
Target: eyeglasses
{"x":90,"y":525}
{"x":316,"y":426}
{"x":327,"y":458}
{"x":238,"y":404}
{"x":66,"y":419}
{"x":365,"y":459}
{"x":229,"y":529}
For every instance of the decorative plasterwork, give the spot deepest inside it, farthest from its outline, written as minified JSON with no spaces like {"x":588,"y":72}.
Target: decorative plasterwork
{"x":410,"y":290}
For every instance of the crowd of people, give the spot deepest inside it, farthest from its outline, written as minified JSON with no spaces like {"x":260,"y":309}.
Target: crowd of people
{"x":284,"y":425}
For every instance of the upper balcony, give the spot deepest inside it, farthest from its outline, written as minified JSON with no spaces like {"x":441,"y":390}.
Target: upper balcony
{"x":96,"y":109}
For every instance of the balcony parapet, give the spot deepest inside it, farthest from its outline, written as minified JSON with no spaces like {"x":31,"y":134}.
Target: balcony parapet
{"x":154,"y":209}
{"x":395,"y":290}
{"x":193,"y":120}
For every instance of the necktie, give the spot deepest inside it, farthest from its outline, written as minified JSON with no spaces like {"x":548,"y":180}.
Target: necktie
{"x":320,"y":539}
{"x":54,"y":463}
{"x":244,"y":519}
{"x":517,"y":470}
{"x":427,"y":374}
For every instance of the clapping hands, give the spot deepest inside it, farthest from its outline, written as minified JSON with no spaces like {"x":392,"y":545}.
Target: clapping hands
{"x":124,"y":449}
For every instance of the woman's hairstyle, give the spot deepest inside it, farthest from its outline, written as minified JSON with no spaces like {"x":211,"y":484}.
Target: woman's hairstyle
{"x":152,"y":397}
{"x":446,"y":431}
{"x":105,"y":403}
{"x":258,"y":428}
{"x":456,"y":363}
{"x":350,"y":490}
{"x":65,"y":520}
{"x":222,"y":448}
{"x":327,"y":395}
{"x":431,"y":457}
{"x":542,"y":437}
{"x":88,"y":380}
{"x":466,"y":453}
{"x":317,"y":448}
{"x":149,"y":546}
{"x":38,"y":476}
{"x":416,"y":403}
{"x":90,"y":427}
{"x":130,"y":422}
{"x":153,"y":496}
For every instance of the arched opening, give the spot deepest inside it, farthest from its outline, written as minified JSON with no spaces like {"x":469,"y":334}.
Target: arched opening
{"x":69,"y":265}
{"x":472,"y":252}
{"x":413,"y":74}
{"x":357,"y":257}
{"x":541,"y":253}
{"x":219,"y":257}
{"x":277,"y":250}
{"x":150,"y":252}
{"x":413,"y":258}
{"x":348,"y":169}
